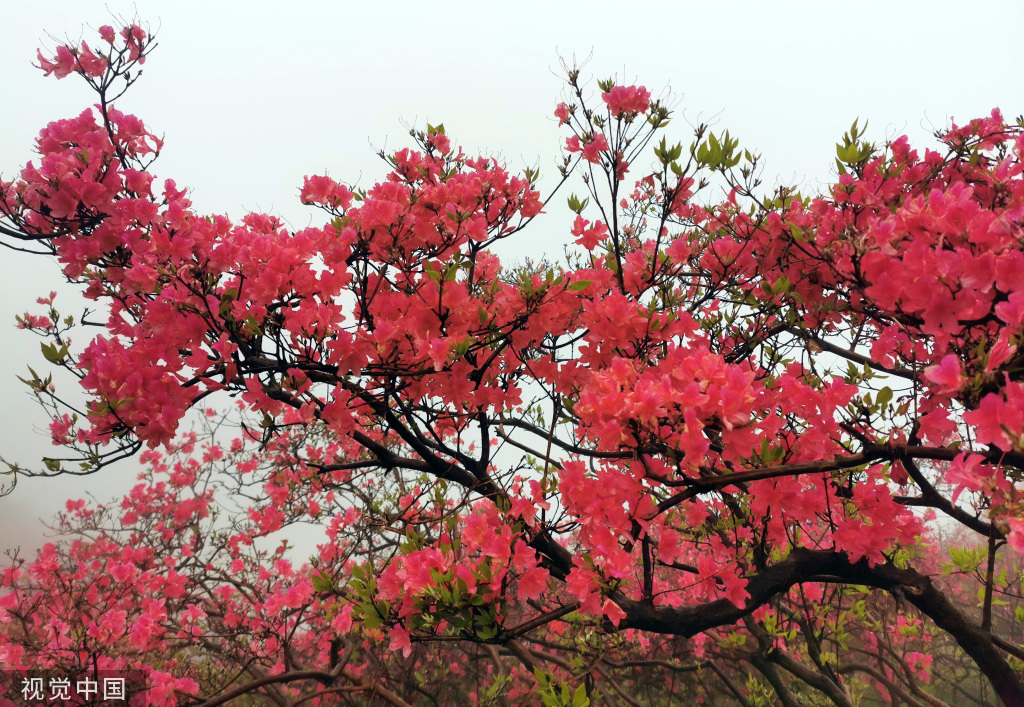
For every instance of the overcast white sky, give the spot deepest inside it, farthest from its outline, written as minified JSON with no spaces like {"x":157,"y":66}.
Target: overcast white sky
{"x":252,"y":96}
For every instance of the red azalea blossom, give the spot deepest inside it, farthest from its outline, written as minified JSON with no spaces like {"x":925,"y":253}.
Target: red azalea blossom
{"x":627,"y":99}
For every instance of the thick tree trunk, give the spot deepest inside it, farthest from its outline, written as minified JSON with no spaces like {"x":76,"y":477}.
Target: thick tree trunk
{"x":831,"y":566}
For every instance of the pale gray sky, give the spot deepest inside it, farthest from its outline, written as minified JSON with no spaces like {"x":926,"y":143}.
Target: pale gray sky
{"x":252,"y":96}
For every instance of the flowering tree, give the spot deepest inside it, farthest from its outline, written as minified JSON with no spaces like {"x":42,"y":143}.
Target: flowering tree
{"x":724,"y":436}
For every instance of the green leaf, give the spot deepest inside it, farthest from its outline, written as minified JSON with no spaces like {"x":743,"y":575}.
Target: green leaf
{"x":883,"y":397}
{"x":782,"y":284}
{"x":53,"y":354}
{"x":322,"y":584}
{"x":661,"y":152}
{"x":797,"y":233}
{"x":580,"y":285}
{"x":460,"y":348}
{"x":371,"y":619}
{"x":576,"y":205}
{"x":964,"y":559}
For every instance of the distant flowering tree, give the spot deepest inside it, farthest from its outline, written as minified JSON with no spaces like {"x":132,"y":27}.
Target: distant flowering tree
{"x":718,"y":451}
